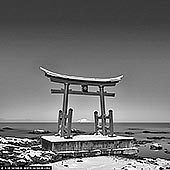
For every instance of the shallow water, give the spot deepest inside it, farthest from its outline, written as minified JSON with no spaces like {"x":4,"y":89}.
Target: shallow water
{"x":22,"y":129}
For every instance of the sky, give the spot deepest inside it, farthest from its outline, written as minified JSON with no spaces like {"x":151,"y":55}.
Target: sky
{"x":85,"y":38}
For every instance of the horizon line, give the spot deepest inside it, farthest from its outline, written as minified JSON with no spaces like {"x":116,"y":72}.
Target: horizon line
{"x":22,"y":121}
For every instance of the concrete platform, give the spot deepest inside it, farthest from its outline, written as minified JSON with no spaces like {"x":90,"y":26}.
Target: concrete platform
{"x":88,"y":143}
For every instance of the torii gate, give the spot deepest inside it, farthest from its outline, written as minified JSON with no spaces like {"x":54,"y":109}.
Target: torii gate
{"x":67,"y":80}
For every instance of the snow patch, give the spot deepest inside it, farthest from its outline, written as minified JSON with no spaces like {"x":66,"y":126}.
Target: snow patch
{"x":84,"y":120}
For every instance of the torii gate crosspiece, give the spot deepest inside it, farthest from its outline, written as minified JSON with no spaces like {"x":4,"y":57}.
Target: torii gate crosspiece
{"x":64,"y":119}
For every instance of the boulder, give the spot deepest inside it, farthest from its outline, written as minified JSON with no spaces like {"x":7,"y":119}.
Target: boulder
{"x":5,"y":162}
{"x":156,"y":146}
{"x":7,"y":128}
{"x":36,"y":147}
{"x":17,"y":151}
{"x":156,"y":137}
{"x":77,"y":131}
{"x":45,"y":159}
{"x":9,"y":148}
{"x":21,"y":162}
{"x":32,"y":153}
{"x":142,"y":142}
{"x":3,"y":140}
{"x":167,"y":151}
{"x":154,"y":132}
{"x":79,"y":160}
{"x":129,"y":133}
{"x":39,"y":131}
{"x":23,"y":142}
{"x":25,"y":157}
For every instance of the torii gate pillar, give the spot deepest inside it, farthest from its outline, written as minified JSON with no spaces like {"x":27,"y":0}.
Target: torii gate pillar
{"x":65,"y":106}
{"x":102,"y":105}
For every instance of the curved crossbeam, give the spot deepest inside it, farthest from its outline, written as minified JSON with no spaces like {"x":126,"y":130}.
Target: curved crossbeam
{"x":61,"y":78}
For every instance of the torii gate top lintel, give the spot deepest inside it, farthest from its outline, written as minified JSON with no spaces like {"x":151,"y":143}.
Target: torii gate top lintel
{"x":61,"y":78}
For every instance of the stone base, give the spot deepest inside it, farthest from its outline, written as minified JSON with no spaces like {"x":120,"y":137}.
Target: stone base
{"x":89,"y":144}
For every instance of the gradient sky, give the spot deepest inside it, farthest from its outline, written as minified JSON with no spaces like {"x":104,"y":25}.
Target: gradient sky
{"x":85,"y":38}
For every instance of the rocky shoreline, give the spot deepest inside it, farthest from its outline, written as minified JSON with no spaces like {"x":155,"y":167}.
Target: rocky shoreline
{"x":24,"y":152}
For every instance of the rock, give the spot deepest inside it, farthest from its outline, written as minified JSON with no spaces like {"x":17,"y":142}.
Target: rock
{"x":32,"y":153}
{"x":7,"y":128}
{"x":23,"y":151}
{"x":134,"y":129}
{"x":48,"y":153}
{"x":79,"y":160}
{"x":11,"y":156}
{"x":156,"y":146}
{"x":17,"y":151}
{"x":129,"y":133}
{"x":21,"y":162}
{"x":4,"y":152}
{"x":23,"y":142}
{"x":167,"y":151}
{"x":77,"y":131}
{"x":142,"y":142}
{"x":4,"y":162}
{"x":39,"y":131}
{"x":91,"y":133}
{"x":150,"y":161}
{"x":36,"y":147}
{"x":44,"y":160}
{"x":1,"y":147}
{"x":25,"y":157}
{"x":3,"y":140}
{"x":156,"y":137}
{"x":56,"y":158}
{"x":155,"y":132}
{"x":9,"y":148}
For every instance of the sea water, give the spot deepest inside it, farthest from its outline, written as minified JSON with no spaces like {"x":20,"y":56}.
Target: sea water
{"x":22,"y":129}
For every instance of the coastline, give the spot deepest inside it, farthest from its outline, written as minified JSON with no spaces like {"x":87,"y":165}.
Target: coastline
{"x":28,"y":152}
{"x":19,"y":146}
